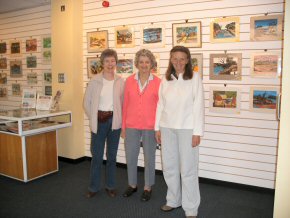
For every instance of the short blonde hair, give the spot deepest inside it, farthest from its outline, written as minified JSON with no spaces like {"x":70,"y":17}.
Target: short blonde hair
{"x":146,"y":53}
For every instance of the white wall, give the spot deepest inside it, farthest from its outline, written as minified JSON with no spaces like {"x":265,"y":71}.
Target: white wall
{"x":239,"y":148}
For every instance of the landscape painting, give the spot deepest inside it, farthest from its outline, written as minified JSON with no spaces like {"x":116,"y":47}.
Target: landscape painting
{"x":153,"y":36}
{"x":266,"y":65}
{"x":187,"y":34}
{"x":3,"y":47}
{"x":16,"y":68}
{"x":124,"y":37}
{"x":225,"y":66}
{"x":31,"y":62}
{"x":263,"y":99}
{"x":97,"y":41}
{"x":125,"y":66}
{"x":94,"y":66}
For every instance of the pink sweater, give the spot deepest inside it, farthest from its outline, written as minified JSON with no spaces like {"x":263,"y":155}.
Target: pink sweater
{"x":139,"y":108}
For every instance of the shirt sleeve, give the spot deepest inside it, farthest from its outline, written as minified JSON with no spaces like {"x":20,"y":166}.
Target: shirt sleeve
{"x":160,"y":106}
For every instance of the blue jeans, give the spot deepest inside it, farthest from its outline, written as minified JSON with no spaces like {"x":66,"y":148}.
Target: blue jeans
{"x":111,"y":137}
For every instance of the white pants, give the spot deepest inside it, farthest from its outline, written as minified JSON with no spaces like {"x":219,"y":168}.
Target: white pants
{"x":180,"y":162}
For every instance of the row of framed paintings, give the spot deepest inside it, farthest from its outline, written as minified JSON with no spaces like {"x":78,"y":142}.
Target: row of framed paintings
{"x":228,"y":99}
{"x":17,"y":91}
{"x":32,"y":78}
{"x":189,"y":34}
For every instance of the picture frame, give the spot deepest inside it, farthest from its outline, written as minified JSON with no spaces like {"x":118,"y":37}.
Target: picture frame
{"x":3,"y":47}
{"x":31,"y":61}
{"x":46,"y":56}
{"x":3,"y":63}
{"x":28,"y":98}
{"x":152,"y":36}
{"x":225,"y":66}
{"x":15,"y":47}
{"x":266,"y":28}
{"x":187,"y":34}
{"x":47,"y":78}
{"x":226,"y":29}
{"x":263,"y":99}
{"x":224,"y":100}
{"x":266,"y":65}
{"x":3,"y":93}
{"x":46,"y":41}
{"x":124,"y":37}
{"x":16,"y":89}
{"x":31,"y":45}
{"x":197,"y":63}
{"x":3,"y":78}
{"x":94,"y":66}
{"x":97,"y":41}
{"x":15,"y":68}
{"x":31,"y":78}
{"x":48,"y":90}
{"x":125,"y":65}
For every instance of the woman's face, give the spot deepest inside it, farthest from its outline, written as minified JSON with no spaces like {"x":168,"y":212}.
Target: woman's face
{"x":144,"y":64}
{"x":179,"y":60}
{"x":109,"y":64}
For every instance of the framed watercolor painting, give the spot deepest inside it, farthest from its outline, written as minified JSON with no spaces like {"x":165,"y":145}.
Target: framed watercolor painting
{"x":266,"y":28}
{"x":31,"y":78}
{"x":3,"y":63}
{"x":224,"y":100}
{"x":152,"y":36}
{"x":267,"y":65}
{"x":97,"y":41}
{"x":16,"y":68}
{"x":3,"y":93}
{"x":94,"y":66}
{"x":225,"y":66}
{"x":263,"y":99}
{"x":31,"y":45}
{"x":31,"y":62}
{"x":3,"y":78}
{"x":46,"y":41}
{"x":46,"y":56}
{"x":47,"y":78}
{"x":225,"y":30}
{"x":16,"y":91}
{"x":196,"y":62}
{"x":124,"y":37}
{"x":187,"y":34}
{"x":3,"y":47}
{"x":15,"y":47}
{"x":125,"y":66}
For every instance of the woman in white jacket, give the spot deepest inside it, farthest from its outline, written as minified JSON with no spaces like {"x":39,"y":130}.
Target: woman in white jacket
{"x":179,"y":125}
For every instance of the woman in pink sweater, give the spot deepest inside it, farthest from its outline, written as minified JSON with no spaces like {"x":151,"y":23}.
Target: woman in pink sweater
{"x":139,"y":108}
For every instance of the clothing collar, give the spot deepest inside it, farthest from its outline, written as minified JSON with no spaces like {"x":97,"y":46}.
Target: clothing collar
{"x":136,"y":77}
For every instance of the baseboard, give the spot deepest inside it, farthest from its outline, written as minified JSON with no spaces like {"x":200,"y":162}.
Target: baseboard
{"x":73,"y":161}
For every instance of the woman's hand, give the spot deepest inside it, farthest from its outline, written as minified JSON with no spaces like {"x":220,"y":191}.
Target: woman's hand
{"x":195,"y":140}
{"x":123,"y":134}
{"x":158,"y":137}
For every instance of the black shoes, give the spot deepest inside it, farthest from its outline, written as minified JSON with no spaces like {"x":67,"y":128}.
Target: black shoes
{"x":111,"y":192}
{"x":146,"y":195}
{"x":91,"y":194}
{"x":129,"y":191}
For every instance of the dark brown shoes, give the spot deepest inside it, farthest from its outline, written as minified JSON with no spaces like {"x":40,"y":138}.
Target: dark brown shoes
{"x":146,"y":195}
{"x":130,"y":190}
{"x":111,"y":192}
{"x":91,"y":194}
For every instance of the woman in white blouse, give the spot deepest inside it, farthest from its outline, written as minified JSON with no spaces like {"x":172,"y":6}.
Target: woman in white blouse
{"x":179,"y":125}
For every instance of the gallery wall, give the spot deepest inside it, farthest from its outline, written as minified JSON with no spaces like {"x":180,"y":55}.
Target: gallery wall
{"x":238,"y":147}
{"x":24,"y":26}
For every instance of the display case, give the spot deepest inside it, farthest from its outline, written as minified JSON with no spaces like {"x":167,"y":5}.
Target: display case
{"x":28,"y":142}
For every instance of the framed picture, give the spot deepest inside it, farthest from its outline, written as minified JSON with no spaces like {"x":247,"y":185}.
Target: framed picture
{"x":3,"y":47}
{"x":16,"y":91}
{"x":48,"y":90}
{"x":224,"y":100}
{"x":3,"y":78}
{"x":187,"y":34}
{"x":47,"y":78}
{"x":263,"y":99}
{"x":3,"y":63}
{"x":225,"y":66}
{"x":196,"y":62}
{"x":31,"y":62}
{"x":15,"y":47}
{"x":3,"y":93}
{"x":46,"y":56}
{"x":152,"y":36}
{"x":124,"y":37}
{"x":31,"y":45}
{"x":32,"y":78}
{"x":28,"y":98}
{"x":94,"y":66}
{"x":46,"y":41}
{"x":97,"y":41}
{"x":225,"y":30}
{"x":266,"y":28}
{"x":125,"y":66}
{"x":156,"y":68}
{"x":16,"y":68}
{"x":267,"y":64}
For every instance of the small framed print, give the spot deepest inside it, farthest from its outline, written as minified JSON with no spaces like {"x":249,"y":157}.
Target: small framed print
{"x":263,"y":99}
{"x":32,"y":78}
{"x":94,"y":66}
{"x":31,"y":62}
{"x":196,"y":62}
{"x":225,"y":30}
{"x":15,"y":47}
{"x":266,"y":28}
{"x":28,"y":98}
{"x":267,"y":65}
{"x":3,"y":93}
{"x":97,"y":41}
{"x":124,"y":37}
{"x":125,"y":66}
{"x":3,"y":47}
{"x":152,"y":36}
{"x":16,"y":91}
{"x":3,"y":63}
{"x":48,"y":90}
{"x":224,"y":100}
{"x":187,"y":34}
{"x":46,"y":42}
{"x":46,"y":56}
{"x":16,"y":68}
{"x":31,"y":45}
{"x":3,"y":78}
{"x":225,"y":66}
{"x":47,"y":78}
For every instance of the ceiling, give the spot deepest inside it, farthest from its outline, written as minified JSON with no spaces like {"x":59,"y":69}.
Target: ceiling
{"x":14,"y":5}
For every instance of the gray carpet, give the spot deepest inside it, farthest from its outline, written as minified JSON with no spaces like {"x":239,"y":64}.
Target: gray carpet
{"x":62,"y":194}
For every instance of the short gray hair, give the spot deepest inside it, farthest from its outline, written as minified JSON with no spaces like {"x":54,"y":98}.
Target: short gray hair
{"x":146,"y":53}
{"x":108,"y":53}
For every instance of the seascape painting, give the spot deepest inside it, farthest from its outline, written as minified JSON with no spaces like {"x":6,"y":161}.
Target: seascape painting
{"x":153,"y":36}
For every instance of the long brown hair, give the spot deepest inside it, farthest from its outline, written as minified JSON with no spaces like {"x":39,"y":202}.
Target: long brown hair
{"x":188,"y":67}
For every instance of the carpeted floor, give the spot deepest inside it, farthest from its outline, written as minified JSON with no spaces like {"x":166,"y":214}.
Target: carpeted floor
{"x":62,"y":194}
